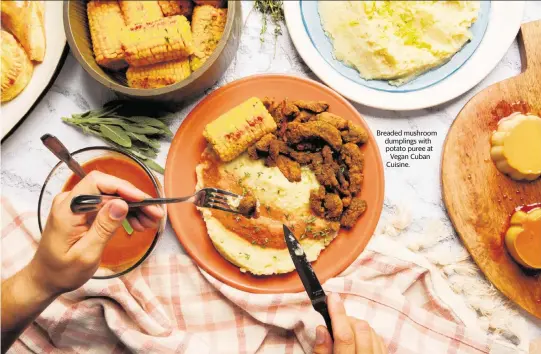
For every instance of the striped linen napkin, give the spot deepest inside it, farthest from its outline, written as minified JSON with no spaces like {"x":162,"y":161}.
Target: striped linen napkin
{"x":169,"y":305}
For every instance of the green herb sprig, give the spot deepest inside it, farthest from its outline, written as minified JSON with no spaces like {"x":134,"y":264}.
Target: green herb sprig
{"x":121,"y":124}
{"x":273,"y":9}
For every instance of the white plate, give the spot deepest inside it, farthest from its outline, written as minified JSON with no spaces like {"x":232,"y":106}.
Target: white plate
{"x":14,"y":110}
{"x":503,"y":25}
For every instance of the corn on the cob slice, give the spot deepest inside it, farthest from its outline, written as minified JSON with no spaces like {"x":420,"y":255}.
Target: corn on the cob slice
{"x":208,"y":25}
{"x":177,"y":7}
{"x":167,"y":39}
{"x":233,"y":132}
{"x":158,"y":75}
{"x":140,"y":12}
{"x":104,"y":15}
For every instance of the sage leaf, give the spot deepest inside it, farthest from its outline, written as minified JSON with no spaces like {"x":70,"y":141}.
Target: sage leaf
{"x":116,"y":135}
{"x":136,"y":153}
{"x":153,"y":122}
{"x":153,"y":165}
{"x":150,"y":153}
{"x":127,"y":227}
{"x":141,"y":129}
{"x":142,"y":138}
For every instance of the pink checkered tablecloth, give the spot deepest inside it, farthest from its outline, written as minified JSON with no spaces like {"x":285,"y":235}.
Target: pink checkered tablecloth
{"x":169,"y":305}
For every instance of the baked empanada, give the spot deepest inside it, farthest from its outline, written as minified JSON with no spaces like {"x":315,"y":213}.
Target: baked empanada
{"x":25,"y":20}
{"x":16,"y":67}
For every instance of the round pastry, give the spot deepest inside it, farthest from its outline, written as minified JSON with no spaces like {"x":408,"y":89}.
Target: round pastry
{"x":516,"y":146}
{"x":16,"y":67}
{"x":523,"y":238}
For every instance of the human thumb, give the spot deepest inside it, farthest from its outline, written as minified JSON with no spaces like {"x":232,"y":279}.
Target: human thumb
{"x":107,"y":221}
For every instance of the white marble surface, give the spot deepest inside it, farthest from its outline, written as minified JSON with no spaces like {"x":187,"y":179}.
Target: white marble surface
{"x":26,"y":163}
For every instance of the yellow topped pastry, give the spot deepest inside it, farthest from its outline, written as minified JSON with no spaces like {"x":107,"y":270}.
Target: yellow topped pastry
{"x":523,"y":239}
{"x":16,"y":67}
{"x":516,"y":146}
{"x":25,"y":19}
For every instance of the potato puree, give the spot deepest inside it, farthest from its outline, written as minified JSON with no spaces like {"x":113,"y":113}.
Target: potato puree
{"x":397,"y":40}
{"x":258,"y":245}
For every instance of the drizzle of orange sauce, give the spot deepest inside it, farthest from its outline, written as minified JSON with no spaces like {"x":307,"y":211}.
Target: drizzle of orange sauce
{"x":123,"y":250}
{"x":263,"y":231}
{"x":505,"y":109}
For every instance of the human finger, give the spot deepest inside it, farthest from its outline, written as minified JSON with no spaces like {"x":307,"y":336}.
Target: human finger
{"x":136,"y":224}
{"x":363,"y":337}
{"x":147,"y":222}
{"x":97,"y":182}
{"x":107,"y":221}
{"x":344,"y":338}
{"x":323,"y":341}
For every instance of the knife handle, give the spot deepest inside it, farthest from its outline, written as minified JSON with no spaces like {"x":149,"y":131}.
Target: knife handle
{"x":324,"y":311}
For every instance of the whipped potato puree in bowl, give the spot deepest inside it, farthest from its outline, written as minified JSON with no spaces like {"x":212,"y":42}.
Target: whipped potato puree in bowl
{"x":396,"y":46}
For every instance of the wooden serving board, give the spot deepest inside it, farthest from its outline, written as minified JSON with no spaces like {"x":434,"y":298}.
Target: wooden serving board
{"x":479,"y":199}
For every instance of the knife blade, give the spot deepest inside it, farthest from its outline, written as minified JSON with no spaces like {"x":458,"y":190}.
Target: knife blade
{"x":308,"y":277}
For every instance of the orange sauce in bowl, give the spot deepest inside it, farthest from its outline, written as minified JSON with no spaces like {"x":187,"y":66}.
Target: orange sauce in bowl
{"x":123,"y":250}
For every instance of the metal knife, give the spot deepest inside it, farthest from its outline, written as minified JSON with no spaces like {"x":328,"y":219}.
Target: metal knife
{"x":308,"y":277}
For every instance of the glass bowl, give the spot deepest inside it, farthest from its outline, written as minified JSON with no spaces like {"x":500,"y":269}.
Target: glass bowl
{"x":57,"y":178}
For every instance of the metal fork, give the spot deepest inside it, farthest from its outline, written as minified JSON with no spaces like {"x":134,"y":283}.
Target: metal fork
{"x":213,"y":198}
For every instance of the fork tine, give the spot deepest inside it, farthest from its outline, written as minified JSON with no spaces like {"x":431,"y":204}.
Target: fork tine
{"x":225,"y":204}
{"x":221,"y":191}
{"x":215,"y":206}
{"x":219,"y":197}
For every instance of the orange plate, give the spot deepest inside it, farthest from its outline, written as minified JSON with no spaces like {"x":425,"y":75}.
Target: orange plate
{"x":180,"y":179}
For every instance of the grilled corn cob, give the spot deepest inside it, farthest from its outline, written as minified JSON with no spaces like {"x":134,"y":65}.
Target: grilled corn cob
{"x":178,"y":7}
{"x":140,"y":12}
{"x":233,"y":132}
{"x":158,"y":75}
{"x":106,"y":44}
{"x":208,"y":25}
{"x":167,"y":39}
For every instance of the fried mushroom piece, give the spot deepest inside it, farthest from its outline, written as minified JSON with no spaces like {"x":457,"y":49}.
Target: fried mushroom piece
{"x":313,"y":106}
{"x":356,"y":208}
{"x":328,"y":159}
{"x":355,"y":182}
{"x":326,"y":152}
{"x":317,"y":197}
{"x":298,"y":132}
{"x":353,"y":157}
{"x":270,"y":162}
{"x":333,"y":206}
{"x":289,"y":168}
{"x":290,"y":110}
{"x":252,"y":152}
{"x":304,"y":116}
{"x":268,"y":102}
{"x":325,"y":174}
{"x":354,"y":134}
{"x":304,"y":158}
{"x":248,"y":206}
{"x":334,"y":120}
{"x":277,"y":147}
{"x":263,"y":143}
{"x":346,"y":201}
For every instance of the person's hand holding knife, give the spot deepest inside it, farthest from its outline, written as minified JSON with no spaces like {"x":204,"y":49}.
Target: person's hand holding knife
{"x":351,"y":335}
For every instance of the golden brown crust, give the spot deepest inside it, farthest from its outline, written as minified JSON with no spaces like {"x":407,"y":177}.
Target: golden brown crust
{"x":25,"y":19}
{"x":17,"y":68}
{"x":289,"y":168}
{"x":313,"y":106}
{"x":328,"y":144}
